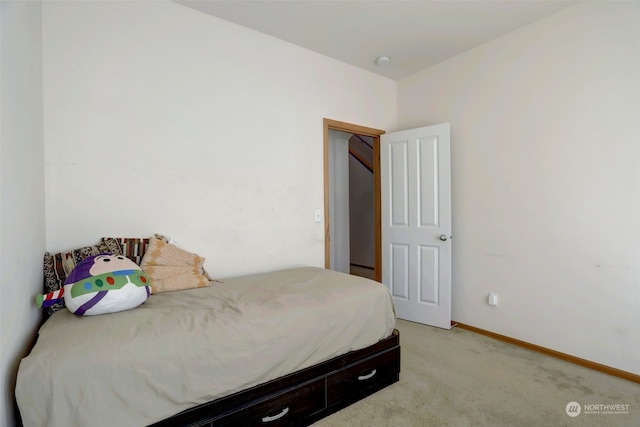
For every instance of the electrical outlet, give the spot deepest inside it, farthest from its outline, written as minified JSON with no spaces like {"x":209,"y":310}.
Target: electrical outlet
{"x":492,"y":299}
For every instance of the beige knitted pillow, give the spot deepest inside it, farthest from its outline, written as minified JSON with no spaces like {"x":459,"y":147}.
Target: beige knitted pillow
{"x":171,"y":268}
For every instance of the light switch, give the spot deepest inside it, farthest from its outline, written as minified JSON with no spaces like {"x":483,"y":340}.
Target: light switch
{"x":318,"y":215}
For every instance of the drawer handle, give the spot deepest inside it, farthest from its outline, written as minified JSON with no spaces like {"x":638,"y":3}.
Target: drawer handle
{"x":366,"y":377}
{"x":276,"y":416}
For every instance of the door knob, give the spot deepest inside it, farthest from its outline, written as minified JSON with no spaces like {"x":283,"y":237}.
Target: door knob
{"x":443,"y":237}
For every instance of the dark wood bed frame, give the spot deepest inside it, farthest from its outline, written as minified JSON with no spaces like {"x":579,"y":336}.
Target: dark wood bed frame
{"x":303,"y":397}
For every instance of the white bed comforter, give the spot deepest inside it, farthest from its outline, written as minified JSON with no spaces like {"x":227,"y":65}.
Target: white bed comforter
{"x":181,"y":349}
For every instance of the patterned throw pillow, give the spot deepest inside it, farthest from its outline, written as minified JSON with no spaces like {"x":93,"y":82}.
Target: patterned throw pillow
{"x":132,"y":247}
{"x":171,"y":268}
{"x":58,"y":266}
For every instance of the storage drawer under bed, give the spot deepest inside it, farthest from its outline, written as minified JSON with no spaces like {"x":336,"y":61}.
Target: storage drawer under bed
{"x":289,"y":408}
{"x":363,"y":378}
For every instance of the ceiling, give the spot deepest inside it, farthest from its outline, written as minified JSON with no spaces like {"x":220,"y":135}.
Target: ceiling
{"x":413,"y":34}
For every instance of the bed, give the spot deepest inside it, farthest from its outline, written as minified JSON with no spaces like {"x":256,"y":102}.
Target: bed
{"x":279,"y":348}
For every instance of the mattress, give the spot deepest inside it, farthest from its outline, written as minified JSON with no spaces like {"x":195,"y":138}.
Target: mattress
{"x":181,"y":349}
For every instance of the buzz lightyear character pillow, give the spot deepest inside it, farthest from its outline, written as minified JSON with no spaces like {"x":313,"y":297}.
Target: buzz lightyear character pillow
{"x":103,"y":284}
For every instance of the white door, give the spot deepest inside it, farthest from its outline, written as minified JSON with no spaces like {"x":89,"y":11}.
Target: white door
{"x":415,"y":174}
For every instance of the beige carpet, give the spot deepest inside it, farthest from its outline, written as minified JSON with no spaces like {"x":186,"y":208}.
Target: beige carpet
{"x":460,"y":378}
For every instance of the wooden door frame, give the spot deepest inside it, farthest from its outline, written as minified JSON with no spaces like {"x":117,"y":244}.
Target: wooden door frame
{"x":328,"y":125}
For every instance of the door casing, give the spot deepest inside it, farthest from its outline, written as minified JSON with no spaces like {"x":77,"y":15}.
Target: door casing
{"x":329,"y":124}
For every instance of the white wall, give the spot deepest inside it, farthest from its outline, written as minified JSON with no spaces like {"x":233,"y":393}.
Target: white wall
{"x":361,"y":214}
{"x":339,"y":225}
{"x":546,"y":179}
{"x":159,"y":118}
{"x":22,"y":214}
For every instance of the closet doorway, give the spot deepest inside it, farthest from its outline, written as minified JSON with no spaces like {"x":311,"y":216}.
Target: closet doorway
{"x":346,"y":143}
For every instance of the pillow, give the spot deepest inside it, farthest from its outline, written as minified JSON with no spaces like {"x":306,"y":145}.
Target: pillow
{"x":132,"y":247}
{"x":171,"y":268}
{"x":58,"y":266}
{"x":105,"y":283}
